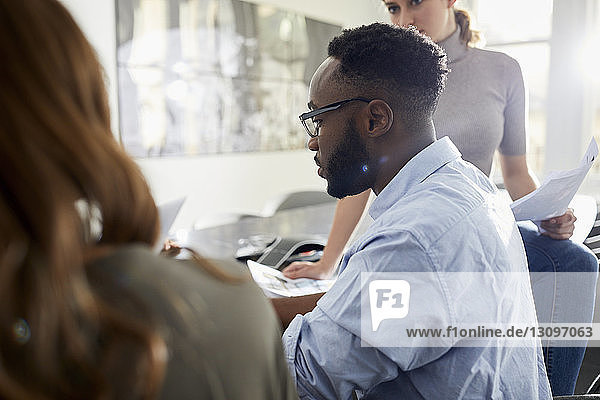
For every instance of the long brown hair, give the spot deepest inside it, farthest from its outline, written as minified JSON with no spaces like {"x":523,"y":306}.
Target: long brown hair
{"x":468,"y":36}
{"x":58,"y":337}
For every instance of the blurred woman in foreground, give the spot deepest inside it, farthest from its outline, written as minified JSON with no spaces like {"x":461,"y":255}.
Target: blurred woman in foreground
{"x":91,"y":314}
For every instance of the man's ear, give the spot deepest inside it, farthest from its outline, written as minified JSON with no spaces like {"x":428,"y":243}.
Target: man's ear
{"x":380,"y":118}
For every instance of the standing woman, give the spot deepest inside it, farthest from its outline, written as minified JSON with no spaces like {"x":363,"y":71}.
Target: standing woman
{"x":482,"y":109}
{"x":93,"y":313}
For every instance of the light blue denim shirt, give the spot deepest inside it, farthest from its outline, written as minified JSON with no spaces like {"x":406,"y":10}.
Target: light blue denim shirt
{"x":438,"y":215}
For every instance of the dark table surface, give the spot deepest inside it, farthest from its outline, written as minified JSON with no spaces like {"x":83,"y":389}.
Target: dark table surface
{"x":222,"y":242}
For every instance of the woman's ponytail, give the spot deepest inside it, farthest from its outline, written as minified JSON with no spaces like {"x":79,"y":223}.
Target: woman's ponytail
{"x":467,"y":35}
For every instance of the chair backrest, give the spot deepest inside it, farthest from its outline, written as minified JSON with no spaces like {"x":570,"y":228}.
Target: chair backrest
{"x":296,"y":199}
{"x":595,"y":386}
{"x":217,"y":219}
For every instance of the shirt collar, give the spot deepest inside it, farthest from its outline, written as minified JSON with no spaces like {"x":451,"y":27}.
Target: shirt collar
{"x":454,"y":48}
{"x":426,"y":162}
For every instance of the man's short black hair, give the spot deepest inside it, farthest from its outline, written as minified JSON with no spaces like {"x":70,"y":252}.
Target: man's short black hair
{"x":406,"y":65}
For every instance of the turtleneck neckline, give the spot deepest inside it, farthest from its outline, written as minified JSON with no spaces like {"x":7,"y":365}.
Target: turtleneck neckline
{"x":455,"y":49}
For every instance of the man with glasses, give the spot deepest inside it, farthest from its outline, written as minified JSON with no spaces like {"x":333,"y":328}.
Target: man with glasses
{"x":435,"y":215}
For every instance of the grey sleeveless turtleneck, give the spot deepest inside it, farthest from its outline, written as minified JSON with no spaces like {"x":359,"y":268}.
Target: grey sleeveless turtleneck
{"x":482,"y":107}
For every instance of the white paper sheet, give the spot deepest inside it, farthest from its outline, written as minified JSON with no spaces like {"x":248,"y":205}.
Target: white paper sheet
{"x":167,"y":213}
{"x":553,"y":196}
{"x":275,"y":284}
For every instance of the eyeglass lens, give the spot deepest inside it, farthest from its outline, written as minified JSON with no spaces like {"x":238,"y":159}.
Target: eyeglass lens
{"x":310,"y":127}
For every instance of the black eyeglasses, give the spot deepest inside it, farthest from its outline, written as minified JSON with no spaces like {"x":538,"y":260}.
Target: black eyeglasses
{"x":307,"y":118}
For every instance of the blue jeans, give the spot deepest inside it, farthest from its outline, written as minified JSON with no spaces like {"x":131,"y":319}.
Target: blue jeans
{"x":556,"y":300}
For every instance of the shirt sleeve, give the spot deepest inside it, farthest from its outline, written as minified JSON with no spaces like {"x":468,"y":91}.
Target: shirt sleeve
{"x":514,"y":139}
{"x":328,"y":361}
{"x":325,"y":349}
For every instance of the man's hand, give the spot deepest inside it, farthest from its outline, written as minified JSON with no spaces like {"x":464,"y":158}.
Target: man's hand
{"x":560,"y":227}
{"x":287,"y":308}
{"x":307,"y":269}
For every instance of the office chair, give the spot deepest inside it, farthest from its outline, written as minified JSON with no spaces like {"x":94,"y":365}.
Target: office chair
{"x":218,"y":219}
{"x":595,"y":386}
{"x":296,"y":199}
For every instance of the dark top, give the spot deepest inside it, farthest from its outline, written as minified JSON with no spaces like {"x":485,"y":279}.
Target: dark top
{"x":223,"y":339}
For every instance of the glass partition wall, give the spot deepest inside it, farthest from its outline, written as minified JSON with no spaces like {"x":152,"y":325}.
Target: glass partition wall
{"x":214,"y":76}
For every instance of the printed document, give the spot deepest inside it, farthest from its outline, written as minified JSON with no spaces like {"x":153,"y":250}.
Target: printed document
{"x":275,"y":284}
{"x":553,"y":196}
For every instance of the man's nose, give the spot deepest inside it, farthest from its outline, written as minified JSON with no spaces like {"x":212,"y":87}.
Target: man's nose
{"x":313,"y":144}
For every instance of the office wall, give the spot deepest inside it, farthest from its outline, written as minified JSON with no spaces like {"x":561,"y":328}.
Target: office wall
{"x":214,"y":184}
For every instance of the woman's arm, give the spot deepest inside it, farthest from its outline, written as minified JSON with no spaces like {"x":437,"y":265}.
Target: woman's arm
{"x":347,"y":214}
{"x":518,"y":180}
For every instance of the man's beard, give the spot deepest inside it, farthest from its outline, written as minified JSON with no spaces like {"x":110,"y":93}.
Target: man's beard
{"x":348,"y":170}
